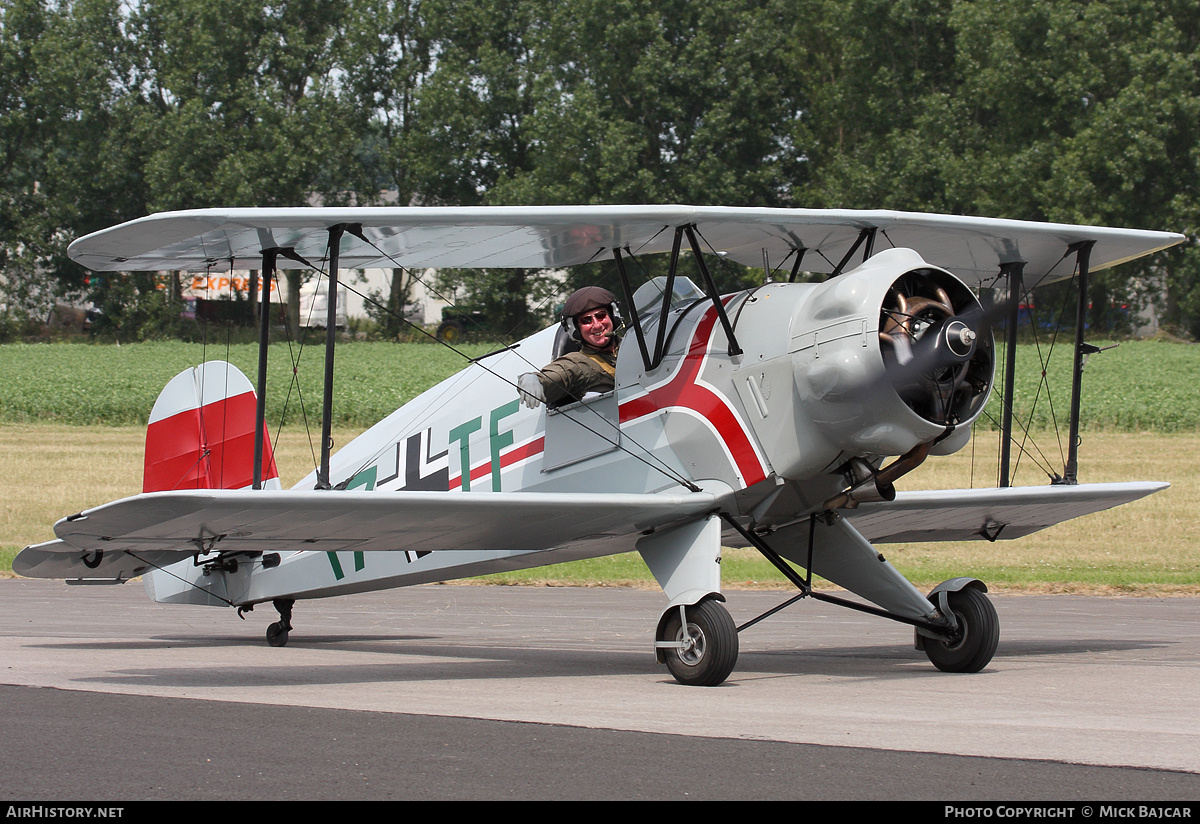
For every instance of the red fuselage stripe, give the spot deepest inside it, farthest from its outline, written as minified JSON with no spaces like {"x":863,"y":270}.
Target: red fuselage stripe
{"x":680,"y":392}
{"x":683,"y":392}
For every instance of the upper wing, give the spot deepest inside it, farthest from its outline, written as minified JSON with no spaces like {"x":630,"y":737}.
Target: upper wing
{"x":973,"y":248}
{"x":991,"y":514}
{"x":123,"y":538}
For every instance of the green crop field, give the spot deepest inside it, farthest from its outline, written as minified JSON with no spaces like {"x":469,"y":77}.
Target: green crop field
{"x":109,"y":385}
{"x":1139,"y":385}
{"x":1134,"y":386}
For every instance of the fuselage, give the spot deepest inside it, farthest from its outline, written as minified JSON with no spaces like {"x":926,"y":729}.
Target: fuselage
{"x":805,"y":393}
{"x":768,"y":427}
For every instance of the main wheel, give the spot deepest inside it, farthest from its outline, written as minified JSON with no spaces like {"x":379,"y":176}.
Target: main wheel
{"x":974,"y":644}
{"x":710,"y":645}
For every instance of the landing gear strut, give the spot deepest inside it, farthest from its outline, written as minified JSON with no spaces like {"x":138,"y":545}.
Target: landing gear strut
{"x":961,"y":636}
{"x":277,"y":633}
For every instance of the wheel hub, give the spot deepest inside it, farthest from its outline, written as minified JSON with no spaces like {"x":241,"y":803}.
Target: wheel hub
{"x":691,"y":644}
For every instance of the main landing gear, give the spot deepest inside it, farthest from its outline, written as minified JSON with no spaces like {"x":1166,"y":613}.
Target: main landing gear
{"x":699,"y":644}
{"x":960,"y":634}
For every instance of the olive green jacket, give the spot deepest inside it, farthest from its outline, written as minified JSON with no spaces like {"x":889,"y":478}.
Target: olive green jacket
{"x":570,"y":377}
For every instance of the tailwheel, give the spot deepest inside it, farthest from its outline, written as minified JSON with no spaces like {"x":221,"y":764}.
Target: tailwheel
{"x":973,"y":643}
{"x":704,"y":651}
{"x":277,"y":633}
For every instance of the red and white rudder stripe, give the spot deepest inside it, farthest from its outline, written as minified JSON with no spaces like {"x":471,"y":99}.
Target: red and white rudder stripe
{"x":201,"y":433}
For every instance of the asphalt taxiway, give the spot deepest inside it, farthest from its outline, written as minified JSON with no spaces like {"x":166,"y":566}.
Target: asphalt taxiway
{"x":455,"y":692}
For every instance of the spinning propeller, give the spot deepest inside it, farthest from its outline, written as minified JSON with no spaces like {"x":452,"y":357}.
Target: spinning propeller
{"x":937,"y":345}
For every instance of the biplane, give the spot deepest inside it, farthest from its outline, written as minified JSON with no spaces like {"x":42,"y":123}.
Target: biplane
{"x":779,"y":417}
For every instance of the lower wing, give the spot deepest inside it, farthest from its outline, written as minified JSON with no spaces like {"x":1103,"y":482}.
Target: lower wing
{"x":124,"y":538}
{"x":987,"y":514}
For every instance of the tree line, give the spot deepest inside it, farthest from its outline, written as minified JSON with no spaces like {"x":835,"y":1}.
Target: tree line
{"x":1062,"y":110}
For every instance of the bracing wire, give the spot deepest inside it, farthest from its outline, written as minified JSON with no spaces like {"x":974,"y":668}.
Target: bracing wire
{"x":294,"y":381}
{"x":650,"y":460}
{"x":1027,"y":443}
{"x":1044,"y":361}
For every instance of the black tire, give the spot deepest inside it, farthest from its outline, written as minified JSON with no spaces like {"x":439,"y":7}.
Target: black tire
{"x":972,"y":647}
{"x":277,"y":636}
{"x":713,"y":652}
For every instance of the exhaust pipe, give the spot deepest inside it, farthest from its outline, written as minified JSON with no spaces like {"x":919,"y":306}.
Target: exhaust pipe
{"x":867,"y":484}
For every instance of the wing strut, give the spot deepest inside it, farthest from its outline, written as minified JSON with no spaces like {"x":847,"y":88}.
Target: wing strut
{"x":867,"y":236}
{"x":335,"y":243}
{"x":710,"y":289}
{"x":711,"y":285}
{"x":1083,"y":253}
{"x":269,"y":258}
{"x":1015,"y":272}
{"x":633,"y":314}
{"x":264,"y":330}
{"x":799,"y":250}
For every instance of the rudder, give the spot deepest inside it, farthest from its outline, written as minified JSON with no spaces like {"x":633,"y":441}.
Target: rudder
{"x":201,"y":433}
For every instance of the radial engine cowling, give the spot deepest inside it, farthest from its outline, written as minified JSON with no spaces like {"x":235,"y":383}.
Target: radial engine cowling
{"x":893,"y":354}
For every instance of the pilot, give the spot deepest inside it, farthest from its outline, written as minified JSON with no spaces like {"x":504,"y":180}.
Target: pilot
{"x":590,"y":319}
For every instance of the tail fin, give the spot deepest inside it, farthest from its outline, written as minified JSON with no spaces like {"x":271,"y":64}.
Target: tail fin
{"x":201,"y":433}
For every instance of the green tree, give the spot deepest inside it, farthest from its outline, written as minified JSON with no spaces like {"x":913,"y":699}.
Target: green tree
{"x":1087,"y":113}
{"x":245,"y":107}
{"x":246,"y":104}
{"x":614,"y":102}
{"x":69,"y":163}
{"x":1063,"y":110}
{"x":22,"y":244}
{"x":474,"y":112}
{"x":658,"y":102}
{"x":385,"y":57}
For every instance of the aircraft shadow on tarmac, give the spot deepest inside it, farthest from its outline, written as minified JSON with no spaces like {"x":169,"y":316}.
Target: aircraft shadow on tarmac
{"x":432,"y":658}
{"x":426,"y":664}
{"x":206,"y":642}
{"x":880,"y":661}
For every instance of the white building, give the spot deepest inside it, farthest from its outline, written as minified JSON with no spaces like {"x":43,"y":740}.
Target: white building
{"x":357,"y":287}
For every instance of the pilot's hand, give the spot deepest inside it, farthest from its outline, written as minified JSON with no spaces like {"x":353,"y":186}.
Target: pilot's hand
{"x":530,"y":389}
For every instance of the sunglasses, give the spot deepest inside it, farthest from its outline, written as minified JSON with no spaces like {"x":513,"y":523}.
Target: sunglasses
{"x":593,"y":317}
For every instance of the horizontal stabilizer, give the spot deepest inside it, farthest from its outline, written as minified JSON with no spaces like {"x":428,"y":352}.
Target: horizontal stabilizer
{"x":56,"y":559}
{"x":987,"y":514}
